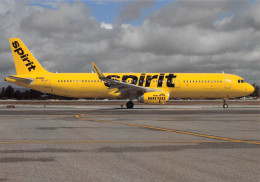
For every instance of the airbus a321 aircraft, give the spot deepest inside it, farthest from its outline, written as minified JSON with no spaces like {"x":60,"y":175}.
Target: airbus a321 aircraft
{"x":149,"y":88}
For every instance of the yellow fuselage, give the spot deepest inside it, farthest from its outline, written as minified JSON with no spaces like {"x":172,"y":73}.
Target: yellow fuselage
{"x":179,"y":85}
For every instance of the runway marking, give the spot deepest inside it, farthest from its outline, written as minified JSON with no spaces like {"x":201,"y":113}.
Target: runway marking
{"x":122,"y":142}
{"x":78,"y":116}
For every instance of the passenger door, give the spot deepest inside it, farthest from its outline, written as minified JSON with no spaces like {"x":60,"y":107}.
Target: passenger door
{"x":47,"y":81}
{"x":227,"y":82}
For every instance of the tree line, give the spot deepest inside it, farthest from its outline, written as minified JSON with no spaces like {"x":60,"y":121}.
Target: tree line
{"x":10,"y":93}
{"x":256,"y":93}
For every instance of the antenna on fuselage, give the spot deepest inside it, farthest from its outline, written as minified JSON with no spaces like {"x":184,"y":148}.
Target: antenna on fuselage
{"x":222,"y":71}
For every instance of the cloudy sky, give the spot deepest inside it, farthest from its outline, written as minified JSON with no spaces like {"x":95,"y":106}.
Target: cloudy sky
{"x":135,"y":36}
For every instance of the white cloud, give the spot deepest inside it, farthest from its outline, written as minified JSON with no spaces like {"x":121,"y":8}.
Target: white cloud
{"x":106,"y":26}
{"x":184,"y":36}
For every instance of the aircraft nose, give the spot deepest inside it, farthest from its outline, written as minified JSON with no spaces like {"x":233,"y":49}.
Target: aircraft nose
{"x":250,"y":89}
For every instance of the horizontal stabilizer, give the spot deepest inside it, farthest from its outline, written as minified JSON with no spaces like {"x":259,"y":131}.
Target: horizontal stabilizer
{"x":24,"y":80}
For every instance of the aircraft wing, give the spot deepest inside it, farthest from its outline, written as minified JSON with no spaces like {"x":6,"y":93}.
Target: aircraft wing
{"x":24,"y":80}
{"x":123,"y":88}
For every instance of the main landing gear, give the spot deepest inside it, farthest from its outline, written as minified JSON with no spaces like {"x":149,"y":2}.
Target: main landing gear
{"x":225,"y":106}
{"x":129,"y":105}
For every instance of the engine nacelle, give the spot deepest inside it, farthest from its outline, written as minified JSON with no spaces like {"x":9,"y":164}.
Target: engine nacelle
{"x":154,"y":98}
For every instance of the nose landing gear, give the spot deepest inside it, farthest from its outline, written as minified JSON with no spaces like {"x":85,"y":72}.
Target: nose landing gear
{"x":225,"y":106}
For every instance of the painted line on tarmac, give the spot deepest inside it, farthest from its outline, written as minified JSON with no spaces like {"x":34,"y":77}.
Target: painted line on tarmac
{"x":122,"y":142}
{"x":81,"y":116}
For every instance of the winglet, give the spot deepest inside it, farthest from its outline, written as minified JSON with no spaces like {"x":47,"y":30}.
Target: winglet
{"x":100,"y":74}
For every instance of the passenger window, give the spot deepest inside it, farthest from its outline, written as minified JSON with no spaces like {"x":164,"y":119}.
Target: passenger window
{"x":238,"y":81}
{"x":58,"y":80}
{"x":61,"y":81}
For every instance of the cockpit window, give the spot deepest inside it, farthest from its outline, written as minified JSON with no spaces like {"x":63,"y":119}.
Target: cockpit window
{"x":241,"y":81}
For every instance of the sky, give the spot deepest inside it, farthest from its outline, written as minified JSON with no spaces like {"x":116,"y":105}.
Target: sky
{"x":135,"y":36}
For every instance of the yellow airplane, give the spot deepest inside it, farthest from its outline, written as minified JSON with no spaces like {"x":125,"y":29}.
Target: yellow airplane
{"x":149,"y":88}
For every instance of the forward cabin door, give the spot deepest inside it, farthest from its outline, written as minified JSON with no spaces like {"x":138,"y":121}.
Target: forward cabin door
{"x":227,"y":81}
{"x":47,"y":81}
{"x":176,"y":82}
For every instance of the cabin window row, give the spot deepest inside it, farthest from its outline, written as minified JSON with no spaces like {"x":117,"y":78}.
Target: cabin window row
{"x":156,"y":98}
{"x":202,"y":81}
{"x":79,"y":81}
{"x":149,"y":81}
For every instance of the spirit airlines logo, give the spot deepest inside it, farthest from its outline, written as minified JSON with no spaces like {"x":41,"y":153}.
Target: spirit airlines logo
{"x":145,"y":80}
{"x":30,"y":65}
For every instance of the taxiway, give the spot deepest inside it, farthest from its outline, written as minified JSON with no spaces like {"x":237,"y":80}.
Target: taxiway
{"x":148,"y":143}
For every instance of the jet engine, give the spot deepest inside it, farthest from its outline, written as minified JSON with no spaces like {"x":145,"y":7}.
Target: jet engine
{"x":154,"y":98}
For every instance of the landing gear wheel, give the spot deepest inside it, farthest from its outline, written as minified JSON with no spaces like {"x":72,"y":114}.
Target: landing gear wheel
{"x":129,"y":105}
{"x":225,"y":106}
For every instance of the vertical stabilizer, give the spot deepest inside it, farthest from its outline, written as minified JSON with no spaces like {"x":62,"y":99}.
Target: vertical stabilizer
{"x":25,"y":62}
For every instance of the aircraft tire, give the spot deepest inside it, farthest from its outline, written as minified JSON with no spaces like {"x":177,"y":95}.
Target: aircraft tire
{"x":225,"y":106}
{"x":129,"y":105}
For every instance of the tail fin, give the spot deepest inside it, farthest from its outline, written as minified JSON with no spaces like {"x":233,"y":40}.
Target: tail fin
{"x":25,"y":62}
